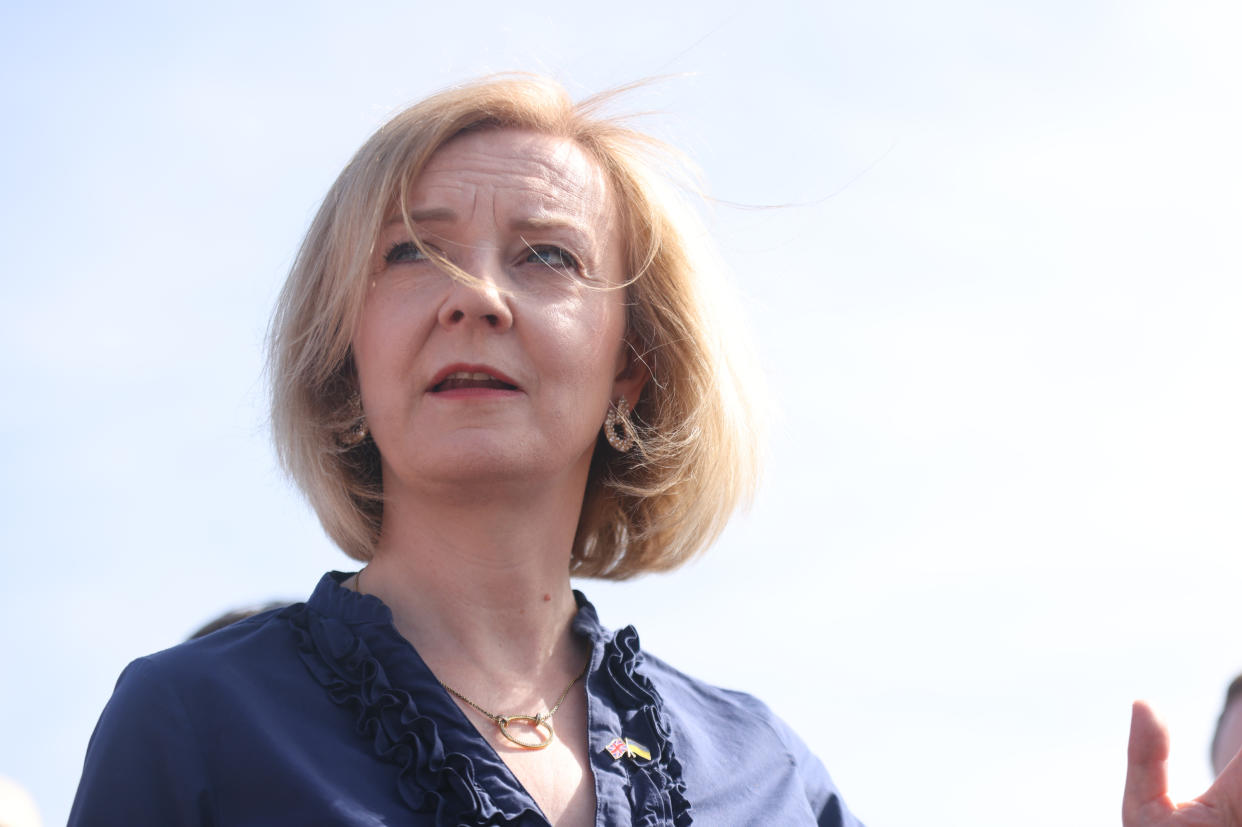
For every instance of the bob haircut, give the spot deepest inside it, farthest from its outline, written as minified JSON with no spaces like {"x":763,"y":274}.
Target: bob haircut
{"x":696,"y":460}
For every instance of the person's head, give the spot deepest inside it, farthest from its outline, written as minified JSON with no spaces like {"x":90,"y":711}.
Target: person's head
{"x":1227,"y":740}
{"x":675,"y":357}
{"x":232,"y":616}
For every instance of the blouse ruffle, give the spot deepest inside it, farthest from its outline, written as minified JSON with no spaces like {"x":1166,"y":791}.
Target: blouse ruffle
{"x":429,"y":779}
{"x":657,"y":792}
{"x":432,"y":780}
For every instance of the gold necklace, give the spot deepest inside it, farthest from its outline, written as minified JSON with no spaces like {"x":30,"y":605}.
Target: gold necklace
{"x":540,"y":722}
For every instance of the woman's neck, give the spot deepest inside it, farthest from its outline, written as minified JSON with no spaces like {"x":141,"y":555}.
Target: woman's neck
{"x":482,"y":591}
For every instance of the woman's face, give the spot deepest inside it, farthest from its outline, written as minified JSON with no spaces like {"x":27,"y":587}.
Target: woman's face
{"x":509,"y":378}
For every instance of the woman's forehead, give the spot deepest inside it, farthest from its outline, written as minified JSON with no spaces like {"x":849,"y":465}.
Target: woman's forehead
{"x":512,"y":168}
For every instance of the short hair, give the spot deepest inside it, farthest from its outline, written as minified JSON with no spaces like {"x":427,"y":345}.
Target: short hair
{"x":1232,"y":695}
{"x":233,"y":615}
{"x":650,"y":509}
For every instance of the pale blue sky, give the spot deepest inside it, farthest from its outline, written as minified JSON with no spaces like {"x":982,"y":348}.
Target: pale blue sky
{"x":999,"y":322}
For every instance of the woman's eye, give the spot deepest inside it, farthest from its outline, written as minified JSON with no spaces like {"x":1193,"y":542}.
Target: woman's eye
{"x":403,"y":252}
{"x":550,"y":256}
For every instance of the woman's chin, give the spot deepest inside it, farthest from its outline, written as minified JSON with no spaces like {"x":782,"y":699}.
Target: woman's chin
{"x":488,"y":466}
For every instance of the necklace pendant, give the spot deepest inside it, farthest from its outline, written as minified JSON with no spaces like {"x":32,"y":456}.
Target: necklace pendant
{"x":540,"y":725}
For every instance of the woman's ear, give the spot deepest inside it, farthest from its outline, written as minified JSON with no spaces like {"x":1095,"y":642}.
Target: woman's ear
{"x":632,"y":374}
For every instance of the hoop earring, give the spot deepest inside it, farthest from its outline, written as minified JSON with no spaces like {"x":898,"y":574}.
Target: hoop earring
{"x":618,"y":429}
{"x":354,"y":435}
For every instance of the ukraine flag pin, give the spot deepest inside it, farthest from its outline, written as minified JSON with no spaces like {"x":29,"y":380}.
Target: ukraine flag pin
{"x":637,"y":750}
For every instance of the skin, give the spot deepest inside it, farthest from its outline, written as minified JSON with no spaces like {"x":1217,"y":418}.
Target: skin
{"x":484,"y":485}
{"x":1147,"y":803}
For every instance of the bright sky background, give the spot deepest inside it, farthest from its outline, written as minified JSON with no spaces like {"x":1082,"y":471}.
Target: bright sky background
{"x":1000,"y":320}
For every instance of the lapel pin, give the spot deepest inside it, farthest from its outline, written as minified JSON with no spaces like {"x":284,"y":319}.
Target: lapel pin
{"x":637,"y":750}
{"x":618,"y":747}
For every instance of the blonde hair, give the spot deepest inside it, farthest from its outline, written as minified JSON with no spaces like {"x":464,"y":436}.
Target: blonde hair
{"x":650,"y":509}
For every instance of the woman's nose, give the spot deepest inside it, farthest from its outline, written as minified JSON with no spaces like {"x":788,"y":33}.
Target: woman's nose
{"x":477,"y":300}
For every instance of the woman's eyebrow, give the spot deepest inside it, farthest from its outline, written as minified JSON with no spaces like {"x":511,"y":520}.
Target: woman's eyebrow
{"x":432,"y":214}
{"x":523,"y":223}
{"x":550,"y":222}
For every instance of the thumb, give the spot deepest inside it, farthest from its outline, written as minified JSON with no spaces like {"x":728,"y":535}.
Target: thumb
{"x":1147,"y":782}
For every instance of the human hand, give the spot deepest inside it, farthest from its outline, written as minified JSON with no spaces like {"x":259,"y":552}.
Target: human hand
{"x":1147,"y":803}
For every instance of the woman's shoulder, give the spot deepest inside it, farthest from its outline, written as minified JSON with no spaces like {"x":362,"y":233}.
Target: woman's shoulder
{"x":689,"y":695}
{"x":251,"y":640}
{"x":737,"y":753}
{"x":239,"y":642}
{"x":146,"y":755}
{"x":225,"y":662}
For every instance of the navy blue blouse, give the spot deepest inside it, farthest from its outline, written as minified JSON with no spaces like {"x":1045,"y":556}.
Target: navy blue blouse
{"x":321,"y":713}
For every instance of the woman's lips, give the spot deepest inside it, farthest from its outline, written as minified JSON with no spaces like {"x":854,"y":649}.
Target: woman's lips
{"x":461,"y":380}
{"x":471,"y":380}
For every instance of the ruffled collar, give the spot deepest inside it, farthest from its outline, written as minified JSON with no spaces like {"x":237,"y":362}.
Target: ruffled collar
{"x":331,"y":599}
{"x":443,"y":768}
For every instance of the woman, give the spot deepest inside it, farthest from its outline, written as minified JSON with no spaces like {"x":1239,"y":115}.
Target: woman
{"x":497,"y":362}
{"x":492,"y":286}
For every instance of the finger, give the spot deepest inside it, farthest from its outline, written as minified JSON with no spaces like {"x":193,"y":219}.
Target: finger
{"x":1147,"y":782}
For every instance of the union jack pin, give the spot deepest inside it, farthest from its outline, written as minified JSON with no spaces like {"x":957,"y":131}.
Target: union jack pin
{"x":616,"y":748}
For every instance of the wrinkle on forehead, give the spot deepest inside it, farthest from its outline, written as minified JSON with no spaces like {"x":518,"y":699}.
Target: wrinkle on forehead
{"x":544,"y":175}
